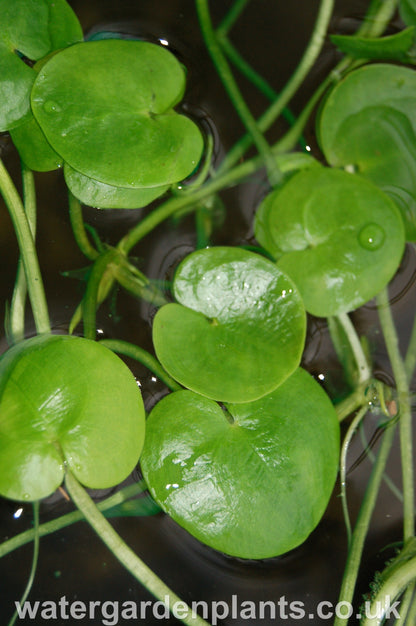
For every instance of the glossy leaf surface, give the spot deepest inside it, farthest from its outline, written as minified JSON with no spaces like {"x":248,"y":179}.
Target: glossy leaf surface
{"x":66,"y":400}
{"x":368,"y":124}
{"x":103,"y":196}
{"x":29,"y":28}
{"x":254,"y":488}
{"x":237,"y":330}
{"x":131,"y":136}
{"x":338,"y":236}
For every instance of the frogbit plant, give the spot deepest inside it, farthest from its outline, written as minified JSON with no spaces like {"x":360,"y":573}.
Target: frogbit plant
{"x":243,"y":450}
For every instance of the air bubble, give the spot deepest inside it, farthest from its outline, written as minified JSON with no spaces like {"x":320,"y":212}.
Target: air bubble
{"x":371,"y":237}
{"x":51,"y":107}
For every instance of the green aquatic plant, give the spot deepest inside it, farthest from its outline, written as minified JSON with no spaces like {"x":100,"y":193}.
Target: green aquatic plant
{"x":244,"y":448}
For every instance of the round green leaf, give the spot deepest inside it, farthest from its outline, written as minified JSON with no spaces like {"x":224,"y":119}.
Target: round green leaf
{"x":96,"y":194}
{"x":30,"y":28}
{"x":336,"y":235}
{"x":65,"y":400}
{"x":107,"y":108}
{"x":254,"y":488}
{"x":33,"y":147}
{"x":368,"y":125}
{"x":239,"y":328}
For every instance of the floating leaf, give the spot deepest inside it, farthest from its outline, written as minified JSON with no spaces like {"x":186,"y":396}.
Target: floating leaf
{"x":238,"y":330}
{"x":65,"y":400}
{"x":368,"y":125}
{"x":336,"y":235}
{"x":255,"y":487}
{"x":33,"y":147}
{"x":31,"y":29}
{"x":96,"y":194}
{"x":395,"y":47}
{"x":131,"y":136}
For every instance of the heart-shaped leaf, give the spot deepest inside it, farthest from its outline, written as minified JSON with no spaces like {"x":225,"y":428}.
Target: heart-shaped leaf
{"x":239,"y":328}
{"x":96,"y":194}
{"x":255,"y":487}
{"x":65,"y":400}
{"x":336,"y":235}
{"x":31,"y":29}
{"x":131,"y":136}
{"x":368,"y":125}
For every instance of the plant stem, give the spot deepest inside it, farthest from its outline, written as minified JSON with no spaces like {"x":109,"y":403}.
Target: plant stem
{"x":232,"y":16}
{"x":308,"y":59}
{"x":391,"y":588}
{"x":17,"y":309}
{"x":70,"y":518}
{"x":78,"y":228}
{"x":233,"y":91}
{"x":363,"y":521}
{"x":91,"y":298}
{"x":405,"y":606}
{"x":351,"y":403}
{"x":27,"y":251}
{"x":31,"y":578}
{"x":125,"y":555}
{"x":403,"y":397}
{"x":148,"y":360}
{"x":343,"y":467}
{"x":286,"y":163}
{"x":375,"y":26}
{"x":364,"y":371}
{"x":410,"y":360}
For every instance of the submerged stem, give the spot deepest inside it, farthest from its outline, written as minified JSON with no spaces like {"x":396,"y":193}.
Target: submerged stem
{"x":141,"y":355}
{"x":31,"y":578}
{"x":363,"y":521}
{"x":233,"y":91}
{"x":308,"y":59}
{"x":343,"y":467}
{"x":70,"y":518}
{"x":364,"y":371}
{"x":391,"y":589}
{"x":27,"y":250}
{"x":17,"y":309}
{"x":78,"y":228}
{"x":125,"y":555}
{"x":406,"y":446}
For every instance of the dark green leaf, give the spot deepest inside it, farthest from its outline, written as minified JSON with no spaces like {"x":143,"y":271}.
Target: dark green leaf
{"x":336,"y":235}
{"x":66,"y":400}
{"x":131,"y":136}
{"x":254,"y":488}
{"x":368,"y":125}
{"x":32,"y":29}
{"x":238,"y":330}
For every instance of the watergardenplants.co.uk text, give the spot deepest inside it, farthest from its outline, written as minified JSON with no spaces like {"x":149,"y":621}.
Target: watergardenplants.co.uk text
{"x":110,"y":612}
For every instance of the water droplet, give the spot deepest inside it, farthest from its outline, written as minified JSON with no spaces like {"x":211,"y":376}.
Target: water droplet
{"x":26,"y":496}
{"x":50,"y":106}
{"x":371,"y":236}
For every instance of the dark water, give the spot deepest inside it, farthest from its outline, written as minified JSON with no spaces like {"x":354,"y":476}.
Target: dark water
{"x":74,"y":563}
